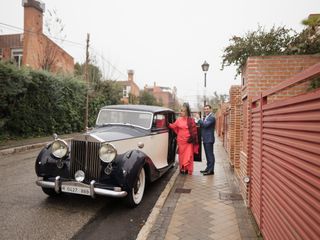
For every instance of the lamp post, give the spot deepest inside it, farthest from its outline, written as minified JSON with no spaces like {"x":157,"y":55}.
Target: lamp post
{"x":205,"y":68}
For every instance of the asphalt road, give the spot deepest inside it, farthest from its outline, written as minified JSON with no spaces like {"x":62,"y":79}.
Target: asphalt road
{"x":27,"y":213}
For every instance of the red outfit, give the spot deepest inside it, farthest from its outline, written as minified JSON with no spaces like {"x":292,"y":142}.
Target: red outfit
{"x":185,"y":149}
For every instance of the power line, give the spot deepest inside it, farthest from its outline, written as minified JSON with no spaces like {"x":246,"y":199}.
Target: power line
{"x":32,"y":32}
{"x":8,"y":26}
{"x":107,"y":61}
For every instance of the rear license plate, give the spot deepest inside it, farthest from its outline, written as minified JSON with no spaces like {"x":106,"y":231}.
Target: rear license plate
{"x":75,"y":189}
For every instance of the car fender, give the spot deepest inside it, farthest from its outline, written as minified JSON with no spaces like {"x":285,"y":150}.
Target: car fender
{"x":41,"y":161}
{"x":45,"y":164}
{"x":133,"y":161}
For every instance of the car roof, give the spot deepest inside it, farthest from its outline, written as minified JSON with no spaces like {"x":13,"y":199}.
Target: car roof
{"x":135,"y":107}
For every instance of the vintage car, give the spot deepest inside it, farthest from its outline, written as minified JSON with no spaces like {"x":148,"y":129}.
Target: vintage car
{"x":130,"y":145}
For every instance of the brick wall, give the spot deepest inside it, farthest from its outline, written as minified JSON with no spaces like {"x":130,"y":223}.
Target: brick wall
{"x":9,"y":42}
{"x":37,"y":47}
{"x":163,"y":95}
{"x":234,"y":129}
{"x":259,"y":74}
{"x":220,"y":119}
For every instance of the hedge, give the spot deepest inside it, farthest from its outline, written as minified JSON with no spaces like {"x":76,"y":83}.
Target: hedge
{"x":37,"y":103}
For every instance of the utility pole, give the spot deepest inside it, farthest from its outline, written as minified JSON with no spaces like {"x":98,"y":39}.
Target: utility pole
{"x":86,"y":78}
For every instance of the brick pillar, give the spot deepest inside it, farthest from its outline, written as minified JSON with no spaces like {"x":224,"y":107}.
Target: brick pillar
{"x":234,"y":128}
{"x":33,"y":26}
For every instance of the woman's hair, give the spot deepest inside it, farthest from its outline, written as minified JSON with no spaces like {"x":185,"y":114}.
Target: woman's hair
{"x":187,"y":107}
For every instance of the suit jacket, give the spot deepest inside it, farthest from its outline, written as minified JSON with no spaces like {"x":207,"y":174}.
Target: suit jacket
{"x":207,"y":128}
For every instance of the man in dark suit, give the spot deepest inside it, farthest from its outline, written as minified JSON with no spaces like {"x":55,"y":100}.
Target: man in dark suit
{"x":207,"y":125}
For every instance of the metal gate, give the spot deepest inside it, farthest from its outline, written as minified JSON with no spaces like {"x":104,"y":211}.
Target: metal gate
{"x":284,"y":161}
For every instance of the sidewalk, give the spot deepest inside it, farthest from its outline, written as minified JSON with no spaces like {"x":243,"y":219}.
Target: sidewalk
{"x":202,"y":207}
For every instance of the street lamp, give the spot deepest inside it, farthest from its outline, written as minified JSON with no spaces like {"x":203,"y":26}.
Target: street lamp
{"x":205,"y":68}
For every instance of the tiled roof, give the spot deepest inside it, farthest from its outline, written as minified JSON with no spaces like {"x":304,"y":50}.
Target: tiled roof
{"x":11,"y":41}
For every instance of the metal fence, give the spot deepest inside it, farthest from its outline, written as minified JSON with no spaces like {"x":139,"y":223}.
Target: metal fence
{"x":284,"y":161}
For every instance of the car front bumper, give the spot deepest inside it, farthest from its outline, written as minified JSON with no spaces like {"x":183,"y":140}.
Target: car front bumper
{"x":90,"y":189}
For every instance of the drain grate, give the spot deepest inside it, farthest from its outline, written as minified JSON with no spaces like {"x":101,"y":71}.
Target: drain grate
{"x":230,"y":196}
{"x":183,"y":190}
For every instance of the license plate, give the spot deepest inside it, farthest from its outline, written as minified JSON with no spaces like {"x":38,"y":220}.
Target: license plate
{"x":75,"y":189}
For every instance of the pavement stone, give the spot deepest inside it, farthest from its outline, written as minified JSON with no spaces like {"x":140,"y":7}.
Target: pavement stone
{"x":206,"y":211}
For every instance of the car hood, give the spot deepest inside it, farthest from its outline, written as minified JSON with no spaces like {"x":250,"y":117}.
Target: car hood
{"x":112,"y":133}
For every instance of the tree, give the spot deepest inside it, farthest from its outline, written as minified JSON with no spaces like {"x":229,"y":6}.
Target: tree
{"x":216,"y":99}
{"x":147,"y":99}
{"x":312,"y":22}
{"x":107,"y":93}
{"x":54,"y":28}
{"x":278,"y":41}
{"x":47,"y":55}
{"x":257,"y":43}
{"x":132,"y":99}
{"x":94,"y":74}
{"x":308,"y":41}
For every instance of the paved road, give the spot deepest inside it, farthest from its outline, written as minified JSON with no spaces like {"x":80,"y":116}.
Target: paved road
{"x":27,"y":213}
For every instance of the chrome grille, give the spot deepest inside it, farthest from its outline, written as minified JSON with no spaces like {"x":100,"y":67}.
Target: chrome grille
{"x":85,"y":157}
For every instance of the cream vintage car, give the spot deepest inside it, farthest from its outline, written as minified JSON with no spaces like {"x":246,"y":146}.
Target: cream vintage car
{"x":131,"y":144}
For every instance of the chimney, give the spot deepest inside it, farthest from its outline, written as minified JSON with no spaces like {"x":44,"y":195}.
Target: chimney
{"x":33,"y":15}
{"x":130,"y":75}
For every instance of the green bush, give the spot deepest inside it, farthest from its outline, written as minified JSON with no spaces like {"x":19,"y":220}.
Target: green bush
{"x":37,"y":103}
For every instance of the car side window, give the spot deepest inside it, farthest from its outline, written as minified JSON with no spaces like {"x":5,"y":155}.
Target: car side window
{"x":159,"y":121}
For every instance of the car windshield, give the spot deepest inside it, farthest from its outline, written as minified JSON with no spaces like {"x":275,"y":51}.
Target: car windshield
{"x":127,"y":117}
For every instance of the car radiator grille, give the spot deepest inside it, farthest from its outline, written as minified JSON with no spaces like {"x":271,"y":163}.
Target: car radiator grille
{"x":85,"y":157}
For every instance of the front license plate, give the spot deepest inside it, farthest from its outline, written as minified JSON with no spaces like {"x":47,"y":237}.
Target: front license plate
{"x":75,"y":189}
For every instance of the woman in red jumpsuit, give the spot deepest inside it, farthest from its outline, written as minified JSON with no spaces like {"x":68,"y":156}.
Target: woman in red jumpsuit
{"x":186,"y":130}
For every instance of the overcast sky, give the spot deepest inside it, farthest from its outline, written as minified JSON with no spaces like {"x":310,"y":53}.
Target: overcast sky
{"x":164,"y":41}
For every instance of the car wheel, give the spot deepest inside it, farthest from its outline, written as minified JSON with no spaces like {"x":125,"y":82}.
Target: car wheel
{"x":135,"y":194}
{"x":50,"y":192}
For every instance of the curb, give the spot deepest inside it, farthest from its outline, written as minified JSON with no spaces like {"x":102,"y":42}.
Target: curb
{"x":22,"y":148}
{"x":26,"y":147}
{"x":145,"y":230}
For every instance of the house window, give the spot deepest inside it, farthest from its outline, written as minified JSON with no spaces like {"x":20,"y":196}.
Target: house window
{"x":16,"y":56}
{"x":126,"y":91}
{"x":159,"y":121}
{"x":1,"y":54}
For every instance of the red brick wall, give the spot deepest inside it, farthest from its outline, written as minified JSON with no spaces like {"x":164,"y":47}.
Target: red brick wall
{"x":33,"y":24}
{"x":8,"y":42}
{"x":37,"y":46}
{"x":164,"y":97}
{"x":228,"y":121}
{"x":220,"y":119}
{"x":234,"y":129}
{"x":262,"y":73}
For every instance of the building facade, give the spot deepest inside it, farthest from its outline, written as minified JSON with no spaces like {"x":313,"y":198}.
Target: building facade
{"x":130,"y":90}
{"x":32,"y":48}
{"x":164,"y":95}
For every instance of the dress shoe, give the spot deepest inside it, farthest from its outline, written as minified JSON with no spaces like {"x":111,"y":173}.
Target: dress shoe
{"x":184,"y":172}
{"x":208,"y":173}
{"x":203,"y":171}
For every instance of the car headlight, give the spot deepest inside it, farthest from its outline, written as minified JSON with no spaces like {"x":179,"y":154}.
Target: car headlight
{"x":107,"y":153}
{"x":59,"y":148}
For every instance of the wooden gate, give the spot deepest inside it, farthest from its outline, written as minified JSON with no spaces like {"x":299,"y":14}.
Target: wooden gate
{"x":284,"y":161}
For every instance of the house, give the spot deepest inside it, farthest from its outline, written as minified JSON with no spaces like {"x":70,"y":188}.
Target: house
{"x":32,"y":48}
{"x":130,"y":90}
{"x":164,"y":95}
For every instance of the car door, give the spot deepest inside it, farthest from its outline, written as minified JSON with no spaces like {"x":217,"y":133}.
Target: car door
{"x":172,"y":146}
{"x":160,"y":139}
